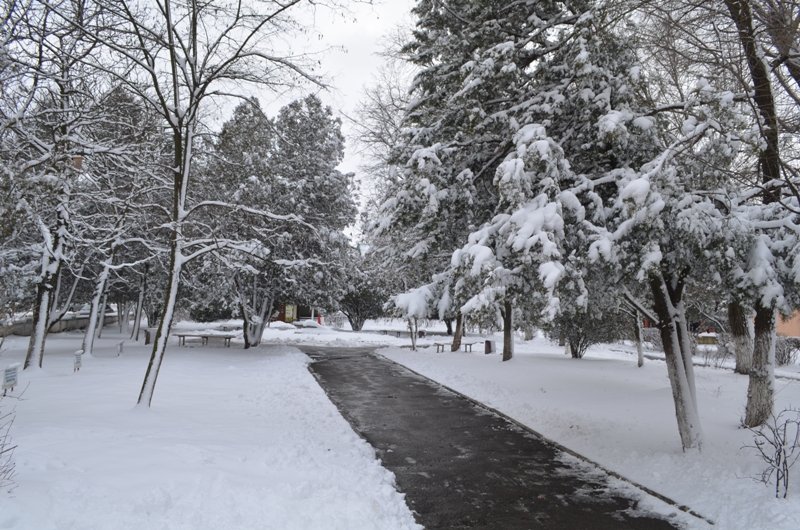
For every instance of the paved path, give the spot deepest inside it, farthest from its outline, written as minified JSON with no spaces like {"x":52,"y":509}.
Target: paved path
{"x":459,"y":465}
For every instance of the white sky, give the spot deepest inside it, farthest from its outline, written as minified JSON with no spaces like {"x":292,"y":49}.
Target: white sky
{"x":360,"y":35}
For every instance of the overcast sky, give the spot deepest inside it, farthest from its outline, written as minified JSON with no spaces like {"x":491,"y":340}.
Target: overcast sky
{"x":361,"y":35}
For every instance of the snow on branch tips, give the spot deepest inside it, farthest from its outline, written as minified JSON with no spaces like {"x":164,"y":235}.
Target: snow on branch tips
{"x":414,"y":303}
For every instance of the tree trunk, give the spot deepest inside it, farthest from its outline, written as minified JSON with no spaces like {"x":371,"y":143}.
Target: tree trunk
{"x":137,"y":315}
{"x":637,"y":330}
{"x":686,"y":346}
{"x":164,"y":326}
{"x":356,"y":320}
{"x":94,"y":313}
{"x":761,"y":390}
{"x":412,"y":327}
{"x":56,"y":314}
{"x":508,"y":331}
{"x":123,"y":316}
{"x":42,"y":306}
{"x":101,"y":320}
{"x":255,"y":319}
{"x":672,"y":325}
{"x":740,"y":336}
{"x":459,"y":332}
{"x":41,"y":309}
{"x":448,"y":322}
{"x":52,"y":261}
{"x":529,"y":332}
{"x":254,"y":326}
{"x":769,"y":156}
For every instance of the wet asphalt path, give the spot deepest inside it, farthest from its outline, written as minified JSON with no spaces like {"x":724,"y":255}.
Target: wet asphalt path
{"x":459,"y":465}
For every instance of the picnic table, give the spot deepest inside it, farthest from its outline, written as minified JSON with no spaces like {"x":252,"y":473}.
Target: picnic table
{"x":203,"y":338}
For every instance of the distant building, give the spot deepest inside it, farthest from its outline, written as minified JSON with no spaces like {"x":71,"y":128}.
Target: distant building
{"x":292,"y":312}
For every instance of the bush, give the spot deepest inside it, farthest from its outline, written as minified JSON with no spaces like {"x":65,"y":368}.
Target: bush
{"x":716,"y":356}
{"x":778,"y":444}
{"x":786,"y":350}
{"x":7,"y":466}
{"x":210,"y":312}
{"x":584,"y":329}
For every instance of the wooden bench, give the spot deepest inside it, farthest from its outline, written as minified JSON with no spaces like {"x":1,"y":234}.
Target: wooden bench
{"x":397,"y":332}
{"x":203,"y":338}
{"x":440,"y":346}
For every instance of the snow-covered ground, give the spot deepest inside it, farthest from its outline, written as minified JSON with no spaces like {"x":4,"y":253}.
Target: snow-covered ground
{"x":618,"y":415}
{"x":247,"y":439}
{"x":235,"y":439}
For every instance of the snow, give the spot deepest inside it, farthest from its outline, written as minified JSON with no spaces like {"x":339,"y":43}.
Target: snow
{"x":247,"y":439}
{"x":235,"y":439}
{"x":480,"y":254}
{"x":645,"y":123}
{"x":637,"y":190}
{"x":622,"y":417}
{"x":615,"y":414}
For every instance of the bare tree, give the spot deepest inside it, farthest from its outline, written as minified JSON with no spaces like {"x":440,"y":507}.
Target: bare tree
{"x":49,"y":95}
{"x":177,"y":56}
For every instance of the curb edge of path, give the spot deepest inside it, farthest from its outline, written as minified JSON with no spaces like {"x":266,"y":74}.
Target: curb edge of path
{"x":557,"y":445}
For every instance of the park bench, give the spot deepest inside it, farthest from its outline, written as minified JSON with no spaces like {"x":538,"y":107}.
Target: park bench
{"x":468,"y":346}
{"x":400,"y":332}
{"x":203,"y":338}
{"x":440,"y":346}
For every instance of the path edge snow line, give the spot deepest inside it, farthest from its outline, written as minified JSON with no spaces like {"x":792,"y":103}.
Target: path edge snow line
{"x":557,"y":445}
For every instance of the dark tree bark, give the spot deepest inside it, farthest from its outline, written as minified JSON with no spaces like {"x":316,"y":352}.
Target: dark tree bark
{"x":508,"y":331}
{"x":459,"y":333}
{"x":760,"y":391}
{"x":448,"y":322}
{"x":769,"y":158}
{"x":41,"y":309}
